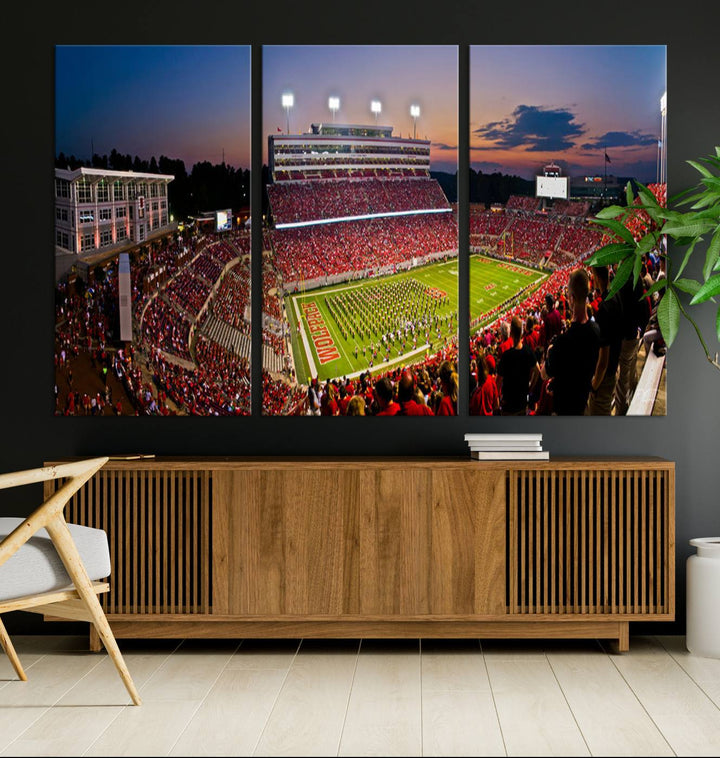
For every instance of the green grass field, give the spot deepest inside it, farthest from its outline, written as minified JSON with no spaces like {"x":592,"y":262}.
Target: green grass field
{"x":342,"y":320}
{"x":492,"y":282}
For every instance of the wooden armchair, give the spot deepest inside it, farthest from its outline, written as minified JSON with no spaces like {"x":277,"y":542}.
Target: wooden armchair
{"x":48,"y":566}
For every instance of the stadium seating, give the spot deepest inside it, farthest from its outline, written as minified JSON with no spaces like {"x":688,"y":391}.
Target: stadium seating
{"x":316,"y":200}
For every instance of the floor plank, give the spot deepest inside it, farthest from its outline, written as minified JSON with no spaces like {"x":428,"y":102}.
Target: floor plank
{"x":686,"y":716}
{"x":310,"y":710}
{"x":610,"y":717}
{"x":375,"y":697}
{"x":705,"y":672}
{"x":534,"y":716}
{"x":460,"y":722}
{"x":148,"y":730}
{"x":233,"y":715}
{"x":384,"y":712}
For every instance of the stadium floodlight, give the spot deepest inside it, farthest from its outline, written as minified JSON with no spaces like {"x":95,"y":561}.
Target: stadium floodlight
{"x":376,"y":107}
{"x":334,"y":105}
{"x":288,"y":100}
{"x":415,"y":113}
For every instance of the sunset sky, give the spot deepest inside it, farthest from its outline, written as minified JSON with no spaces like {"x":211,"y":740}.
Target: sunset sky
{"x":533,"y":104}
{"x":187,"y":102}
{"x":528,"y":104}
{"x":397,"y":75}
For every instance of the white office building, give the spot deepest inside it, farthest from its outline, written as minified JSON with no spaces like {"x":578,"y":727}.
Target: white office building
{"x":103,"y":211}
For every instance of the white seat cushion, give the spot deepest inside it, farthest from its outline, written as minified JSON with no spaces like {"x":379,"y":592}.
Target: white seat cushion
{"x":36,"y":567}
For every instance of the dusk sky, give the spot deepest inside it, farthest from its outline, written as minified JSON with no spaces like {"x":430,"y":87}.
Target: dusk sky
{"x":397,"y":75}
{"x":186,"y":102}
{"x":532,"y":104}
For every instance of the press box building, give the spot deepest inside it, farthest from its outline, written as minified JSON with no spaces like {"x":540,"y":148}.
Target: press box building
{"x":99,"y":210}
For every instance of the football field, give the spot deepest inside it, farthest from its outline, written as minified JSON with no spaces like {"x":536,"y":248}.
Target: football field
{"x":385,"y":322}
{"x":492,"y":282}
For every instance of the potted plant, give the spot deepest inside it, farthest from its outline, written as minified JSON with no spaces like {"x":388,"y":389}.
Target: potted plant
{"x":643,"y":225}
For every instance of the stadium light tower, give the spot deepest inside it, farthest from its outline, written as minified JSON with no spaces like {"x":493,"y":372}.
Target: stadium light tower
{"x":376,"y":108}
{"x":662,"y":153}
{"x":334,"y":105}
{"x":288,"y":100}
{"x":415,"y":113}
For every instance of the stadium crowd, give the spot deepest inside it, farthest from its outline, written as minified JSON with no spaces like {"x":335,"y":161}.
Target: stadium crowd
{"x":347,"y":197}
{"x":292,"y":202}
{"x":358,"y":246}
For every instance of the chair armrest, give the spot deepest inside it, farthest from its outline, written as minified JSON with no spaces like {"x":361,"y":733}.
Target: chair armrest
{"x":77,"y":474}
{"x":60,"y":471}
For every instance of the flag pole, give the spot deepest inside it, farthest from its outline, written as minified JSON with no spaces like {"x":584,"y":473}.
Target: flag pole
{"x":605,"y":165}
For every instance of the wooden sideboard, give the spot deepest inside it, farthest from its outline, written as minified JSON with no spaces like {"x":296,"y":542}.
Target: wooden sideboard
{"x":384,"y":547}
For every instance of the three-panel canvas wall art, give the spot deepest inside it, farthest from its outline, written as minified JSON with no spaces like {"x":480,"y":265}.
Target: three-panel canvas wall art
{"x":359,"y":228}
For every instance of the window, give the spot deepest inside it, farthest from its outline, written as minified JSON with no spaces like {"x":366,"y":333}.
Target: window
{"x":141,"y":189}
{"x":163,"y":219}
{"x":62,"y":239}
{"x":141,"y":232}
{"x":84,"y":191}
{"x":132,"y":191}
{"x":105,"y":214}
{"x":87,"y":242}
{"x":118,"y":191}
{"x":106,"y":237}
{"x":86,"y":217}
{"x":153,"y":190}
{"x":163,"y":190}
{"x":61,"y":214}
{"x":121,"y":233}
{"x":62,"y":188}
{"x":103,"y":191}
{"x":155,"y":206}
{"x":120,"y":212}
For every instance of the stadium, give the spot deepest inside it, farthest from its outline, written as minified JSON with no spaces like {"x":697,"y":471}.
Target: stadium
{"x":150,"y":319}
{"x":361,"y":247}
{"x":549,"y":235}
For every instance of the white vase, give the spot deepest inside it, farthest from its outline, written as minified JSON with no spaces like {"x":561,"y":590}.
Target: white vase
{"x":702,"y":634}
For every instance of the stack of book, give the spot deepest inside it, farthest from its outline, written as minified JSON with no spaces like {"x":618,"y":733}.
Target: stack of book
{"x":502,"y":447}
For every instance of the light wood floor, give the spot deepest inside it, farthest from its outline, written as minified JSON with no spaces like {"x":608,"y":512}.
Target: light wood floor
{"x":357,"y":698}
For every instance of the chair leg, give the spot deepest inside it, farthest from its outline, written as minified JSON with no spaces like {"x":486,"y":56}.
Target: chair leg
{"x":70,"y":557}
{"x":7,"y":646}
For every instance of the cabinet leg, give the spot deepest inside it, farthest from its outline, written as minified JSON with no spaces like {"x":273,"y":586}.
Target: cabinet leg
{"x":95,"y":643}
{"x":622,"y":643}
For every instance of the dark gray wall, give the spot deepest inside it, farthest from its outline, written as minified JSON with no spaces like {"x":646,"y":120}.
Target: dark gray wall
{"x":688,"y":435}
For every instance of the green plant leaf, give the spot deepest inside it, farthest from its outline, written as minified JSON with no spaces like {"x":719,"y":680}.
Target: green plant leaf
{"x":668,"y":314}
{"x":646,"y":244}
{"x":687,"y":285}
{"x":692,"y":228}
{"x":629,"y":194}
{"x":711,"y":182}
{"x":621,"y":276}
{"x":612,"y":253}
{"x":699,"y":167}
{"x":708,"y":290}
{"x":617,"y":228}
{"x":660,"y":284}
{"x":651,"y":205}
{"x":707,"y":199}
{"x":688,"y":254}
{"x":612,"y":211}
{"x":717,"y":325}
{"x":637,"y":267}
{"x":712,"y":255}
